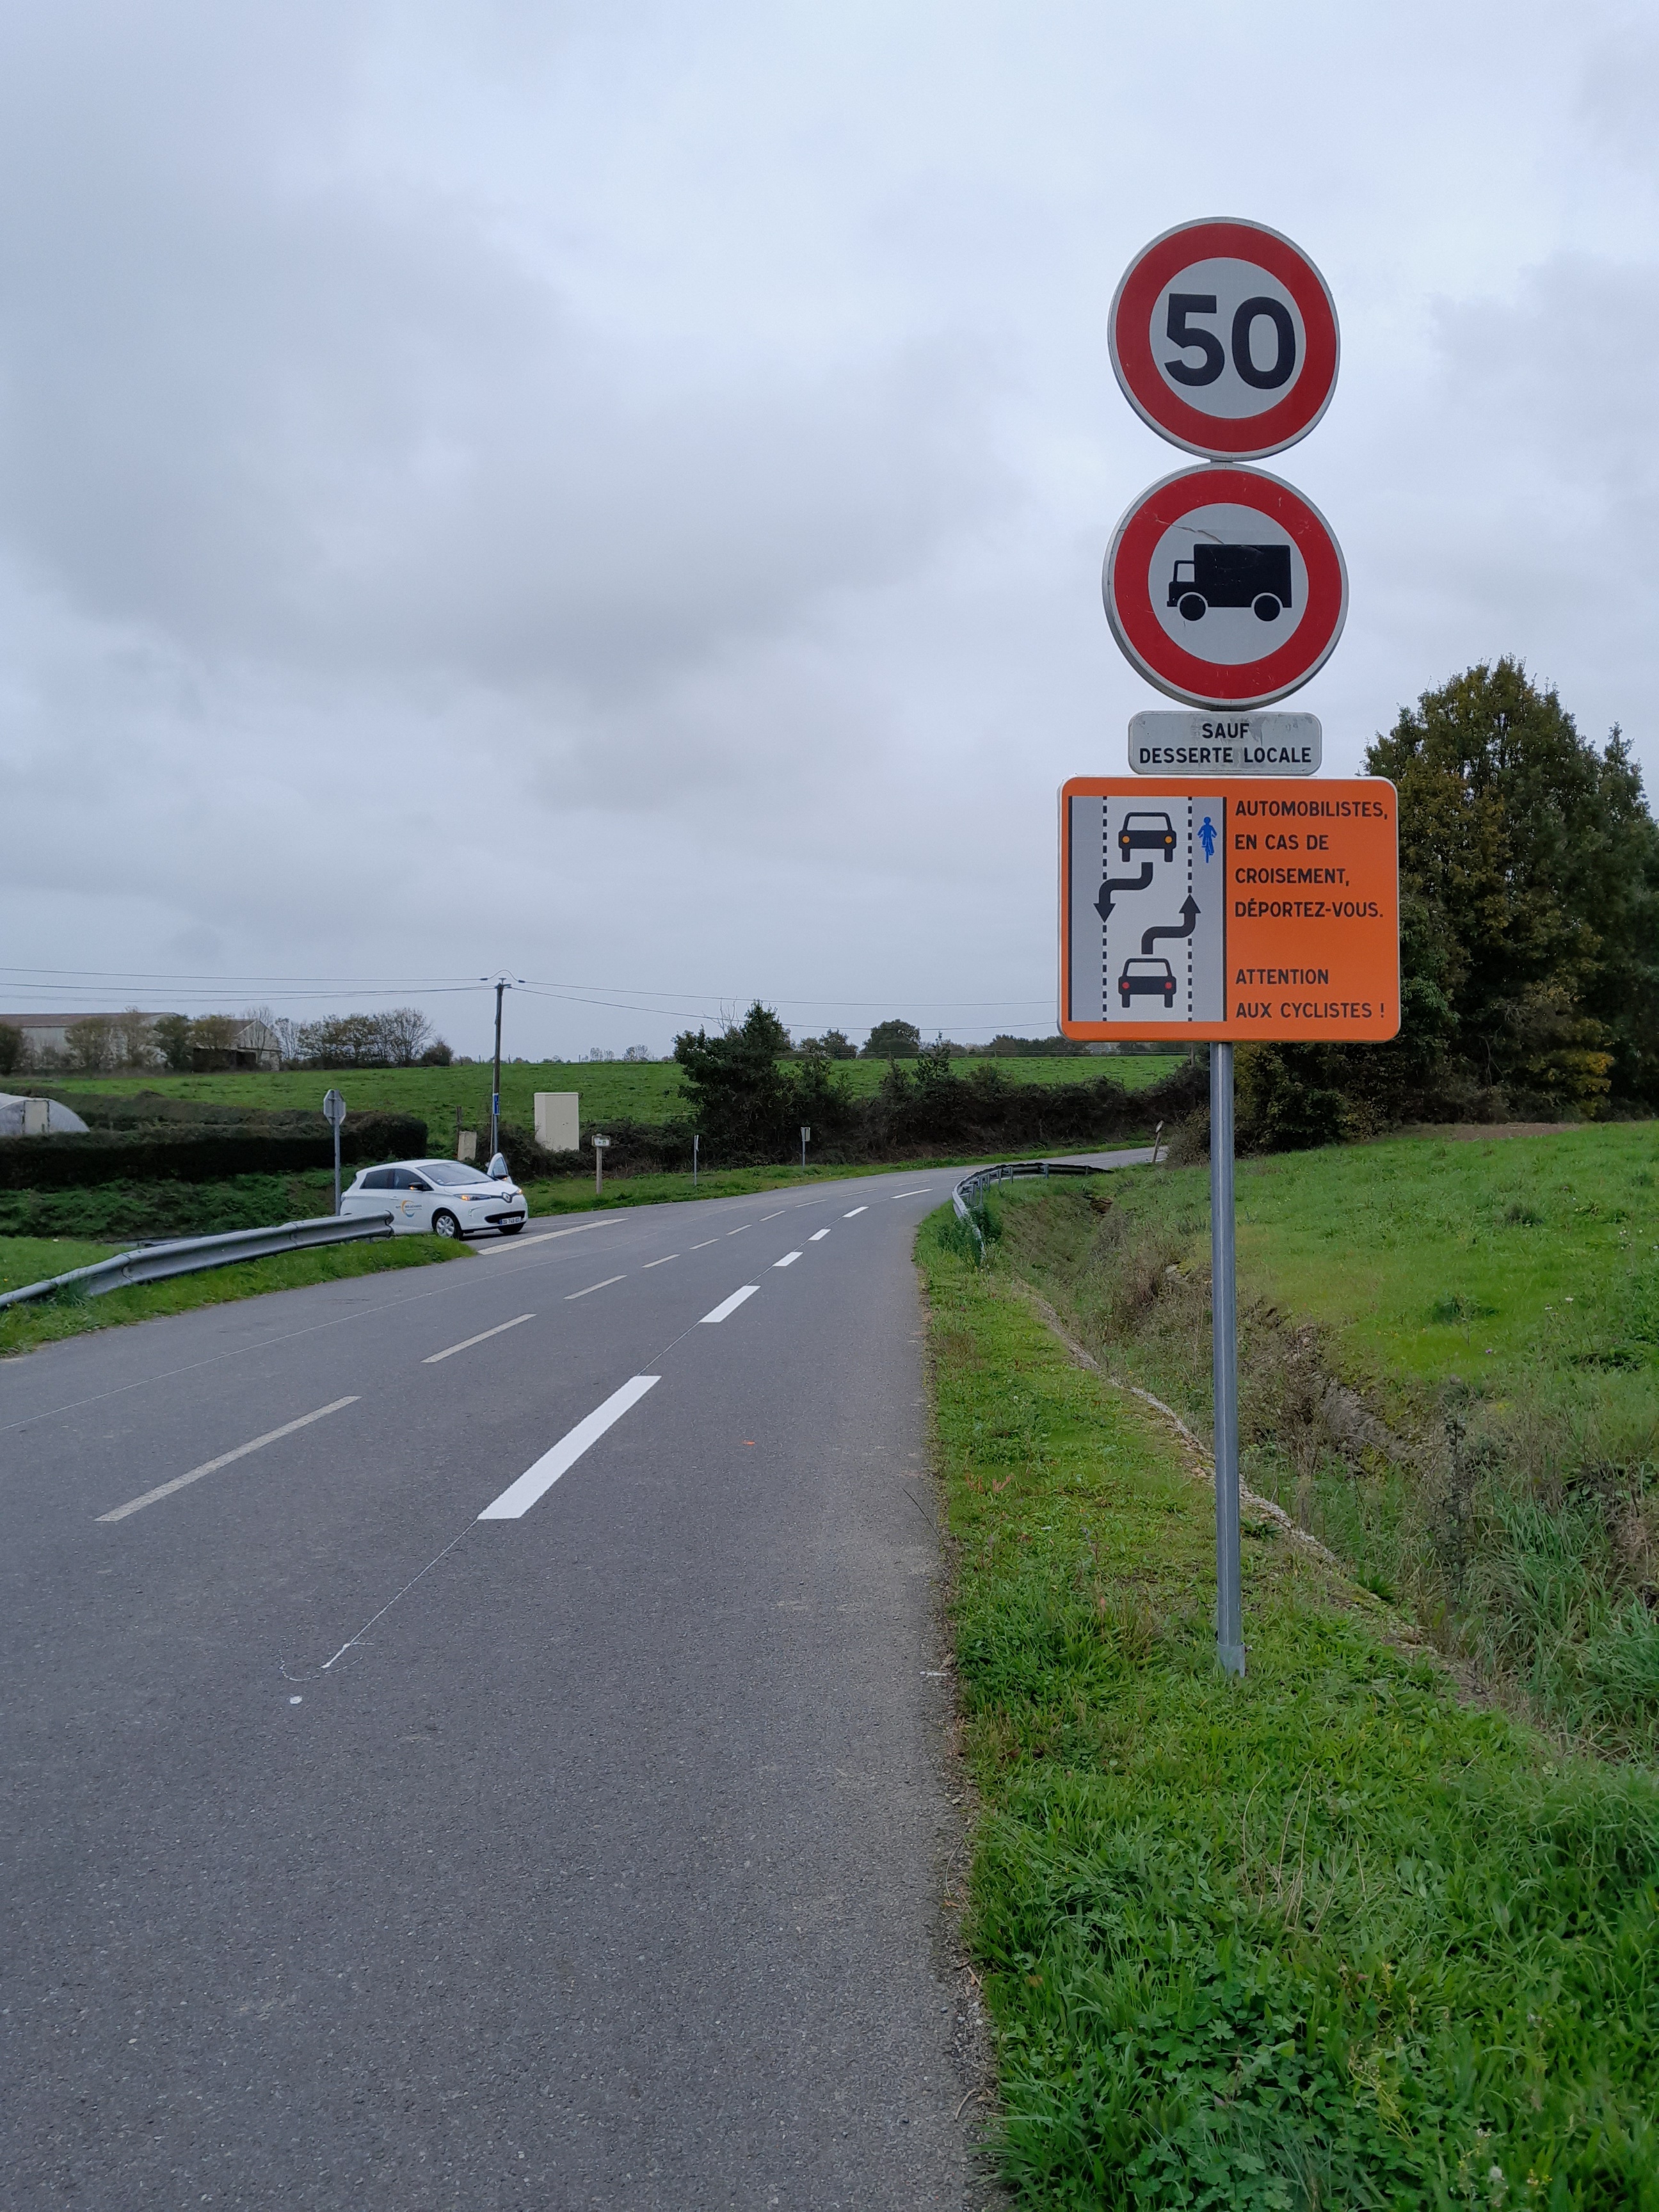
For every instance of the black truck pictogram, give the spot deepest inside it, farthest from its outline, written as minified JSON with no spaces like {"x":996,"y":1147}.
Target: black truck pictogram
{"x":1254,"y":576}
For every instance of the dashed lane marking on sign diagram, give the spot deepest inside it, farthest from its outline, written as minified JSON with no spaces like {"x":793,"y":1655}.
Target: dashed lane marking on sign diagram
{"x":467,"y":1342}
{"x":663,"y":1262}
{"x":212,"y":1466}
{"x":516,"y":1500}
{"x":857,"y":1209}
{"x":787,"y":1261}
{"x":592,"y":1287}
{"x":818,"y":1236}
{"x":729,"y":1305}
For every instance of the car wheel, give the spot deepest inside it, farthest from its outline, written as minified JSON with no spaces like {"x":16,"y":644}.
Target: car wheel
{"x":1193,"y":607}
{"x":509,"y":1228}
{"x":1124,"y":995}
{"x":444,"y":1224}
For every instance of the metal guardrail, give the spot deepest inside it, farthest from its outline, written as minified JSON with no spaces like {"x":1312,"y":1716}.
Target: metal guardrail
{"x":974,"y":1186}
{"x":188,"y":1255}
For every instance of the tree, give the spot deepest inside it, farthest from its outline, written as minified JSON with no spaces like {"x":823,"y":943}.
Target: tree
{"x":134,"y":1039}
{"x":739,"y":1096}
{"x":893,"y":1040}
{"x":172,"y":1040}
{"x":1529,"y":880}
{"x":14,"y":1048}
{"x":91,"y":1044}
{"x":402,"y":1034}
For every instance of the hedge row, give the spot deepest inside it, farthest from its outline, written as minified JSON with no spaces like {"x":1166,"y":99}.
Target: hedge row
{"x":64,"y":1162}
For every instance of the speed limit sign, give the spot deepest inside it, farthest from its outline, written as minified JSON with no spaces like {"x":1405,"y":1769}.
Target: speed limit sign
{"x":1224,"y":338}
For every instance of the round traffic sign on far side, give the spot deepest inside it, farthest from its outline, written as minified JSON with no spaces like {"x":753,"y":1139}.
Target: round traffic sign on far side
{"x":1224,"y":338}
{"x":1225,"y":588}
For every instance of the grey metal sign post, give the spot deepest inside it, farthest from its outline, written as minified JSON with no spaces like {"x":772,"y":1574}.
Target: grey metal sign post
{"x":806,"y":1140}
{"x":334,"y":1112}
{"x":1224,"y":1332}
{"x":600,"y":1144}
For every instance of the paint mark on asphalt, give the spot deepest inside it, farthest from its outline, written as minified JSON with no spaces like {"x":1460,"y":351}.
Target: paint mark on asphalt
{"x":737,"y":1232}
{"x":857,"y":1209}
{"x":787,"y":1261}
{"x":212,"y":1466}
{"x":516,"y":1500}
{"x":663,"y":1262}
{"x":467,"y":1342}
{"x":729,"y":1305}
{"x":818,"y":1236}
{"x":705,"y":1244}
{"x":604,"y":1286}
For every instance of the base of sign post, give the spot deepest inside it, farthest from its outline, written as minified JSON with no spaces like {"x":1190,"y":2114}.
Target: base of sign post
{"x":1223,"y":1311}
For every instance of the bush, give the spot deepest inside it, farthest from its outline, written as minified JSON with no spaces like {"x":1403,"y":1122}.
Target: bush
{"x":209,"y":1155}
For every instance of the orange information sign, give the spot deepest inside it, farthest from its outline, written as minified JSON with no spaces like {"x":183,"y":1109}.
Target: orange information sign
{"x":1228,"y":911}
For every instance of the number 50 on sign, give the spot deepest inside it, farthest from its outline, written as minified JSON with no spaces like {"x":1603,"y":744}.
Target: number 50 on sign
{"x":1219,"y":912}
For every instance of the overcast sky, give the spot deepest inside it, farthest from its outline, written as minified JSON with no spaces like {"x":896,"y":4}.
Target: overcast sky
{"x":617,"y":492}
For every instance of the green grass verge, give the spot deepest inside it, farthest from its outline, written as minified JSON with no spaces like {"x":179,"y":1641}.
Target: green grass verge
{"x":1449,"y":1373}
{"x":639,"y":1090}
{"x":1322,"y":1937}
{"x":73,"y":1313}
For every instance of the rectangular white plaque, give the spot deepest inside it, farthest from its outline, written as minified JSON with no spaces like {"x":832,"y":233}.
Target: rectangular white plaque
{"x":1236,"y":744}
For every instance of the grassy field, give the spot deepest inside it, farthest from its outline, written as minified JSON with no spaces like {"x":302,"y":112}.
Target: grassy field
{"x":1450,"y":1373}
{"x":73,"y":1313}
{"x":1322,"y":1938}
{"x":647,"y":1091}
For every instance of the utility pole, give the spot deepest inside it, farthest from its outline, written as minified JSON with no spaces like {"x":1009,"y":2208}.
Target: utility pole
{"x":502,"y":982}
{"x":695,"y":1141}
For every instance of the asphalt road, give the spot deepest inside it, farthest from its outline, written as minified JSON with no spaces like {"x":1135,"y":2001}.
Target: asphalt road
{"x":365,"y":1849}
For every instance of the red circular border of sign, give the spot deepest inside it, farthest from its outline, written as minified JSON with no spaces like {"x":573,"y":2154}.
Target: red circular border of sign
{"x":1239,"y":439}
{"x":1149,"y":646}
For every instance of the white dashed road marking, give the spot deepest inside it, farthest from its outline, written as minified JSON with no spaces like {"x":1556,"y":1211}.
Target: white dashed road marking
{"x":519,"y":1496}
{"x":818,"y":1236}
{"x":857,"y":1209}
{"x":604,"y":1286}
{"x":212,"y":1466}
{"x":729,"y":1305}
{"x":787,"y":1261}
{"x":663,"y":1262}
{"x":467,"y":1342}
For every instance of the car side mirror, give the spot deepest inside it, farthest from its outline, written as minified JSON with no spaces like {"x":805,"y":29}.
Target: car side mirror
{"x":498,"y":1168}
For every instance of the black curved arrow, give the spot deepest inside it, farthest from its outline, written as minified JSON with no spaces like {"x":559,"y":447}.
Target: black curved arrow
{"x":1190,"y":917}
{"x":1103,"y":903}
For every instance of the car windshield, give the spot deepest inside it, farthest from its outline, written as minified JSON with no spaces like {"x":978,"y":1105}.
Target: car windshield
{"x":451,"y":1171}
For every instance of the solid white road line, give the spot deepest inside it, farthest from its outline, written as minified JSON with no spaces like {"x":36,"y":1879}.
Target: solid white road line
{"x":818,"y":1236}
{"x":516,"y":1500}
{"x":212,"y":1466}
{"x":857,"y":1209}
{"x":604,"y":1286}
{"x":467,"y":1342}
{"x":787,"y":1261}
{"x":663,"y":1262}
{"x":729,"y":1305}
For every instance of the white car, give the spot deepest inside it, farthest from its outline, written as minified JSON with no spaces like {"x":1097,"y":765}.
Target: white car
{"x":446,"y":1197}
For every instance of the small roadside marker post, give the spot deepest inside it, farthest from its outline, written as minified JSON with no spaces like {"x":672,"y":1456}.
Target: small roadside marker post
{"x":1218,"y":901}
{"x":334,"y":1112}
{"x":806,"y":1140}
{"x":600,"y":1144}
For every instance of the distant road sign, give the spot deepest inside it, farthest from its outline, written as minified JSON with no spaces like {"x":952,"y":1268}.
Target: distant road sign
{"x":1192,"y":910}
{"x":1226,"y":744}
{"x":1224,"y":338}
{"x":1225,"y":588}
{"x":334,"y":1108}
